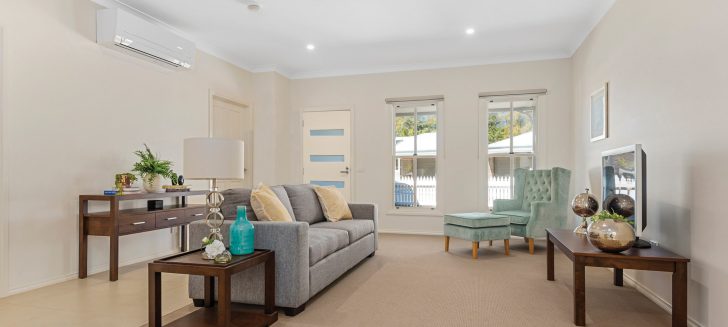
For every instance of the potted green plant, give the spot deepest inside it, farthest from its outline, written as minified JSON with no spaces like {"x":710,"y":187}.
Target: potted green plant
{"x":151,"y":169}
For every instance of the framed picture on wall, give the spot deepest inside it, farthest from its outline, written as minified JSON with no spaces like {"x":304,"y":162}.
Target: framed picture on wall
{"x":599,"y":114}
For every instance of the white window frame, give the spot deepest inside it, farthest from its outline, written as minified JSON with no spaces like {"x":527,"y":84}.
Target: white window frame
{"x":422,"y":210}
{"x":484,"y":156}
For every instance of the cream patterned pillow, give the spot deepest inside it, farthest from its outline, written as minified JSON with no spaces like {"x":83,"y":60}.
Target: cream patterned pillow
{"x":333,"y":203}
{"x":267,"y":206}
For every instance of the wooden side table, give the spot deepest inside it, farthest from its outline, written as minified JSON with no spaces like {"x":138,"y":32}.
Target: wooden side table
{"x":582,"y":254}
{"x":224,"y":313}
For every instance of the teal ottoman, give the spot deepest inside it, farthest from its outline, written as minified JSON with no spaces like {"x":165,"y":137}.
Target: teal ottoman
{"x":476,"y":227}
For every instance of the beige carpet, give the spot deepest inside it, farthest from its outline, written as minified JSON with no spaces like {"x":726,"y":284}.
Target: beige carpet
{"x":412,"y":282}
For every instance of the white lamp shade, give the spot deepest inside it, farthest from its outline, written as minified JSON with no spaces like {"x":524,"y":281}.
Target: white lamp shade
{"x":213,"y":158}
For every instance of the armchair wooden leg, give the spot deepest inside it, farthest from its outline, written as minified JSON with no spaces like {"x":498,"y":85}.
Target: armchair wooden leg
{"x":490,"y":243}
{"x":525,"y":239}
{"x":475,"y":250}
{"x":530,"y":246}
{"x":447,"y":243}
{"x":507,"y":245}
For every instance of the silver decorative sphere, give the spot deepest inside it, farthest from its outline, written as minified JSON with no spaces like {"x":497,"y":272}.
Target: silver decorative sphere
{"x":611,"y":236}
{"x":621,"y":204}
{"x":585,"y":204}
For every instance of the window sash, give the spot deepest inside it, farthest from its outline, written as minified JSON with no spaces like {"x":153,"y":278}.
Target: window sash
{"x":413,"y":106}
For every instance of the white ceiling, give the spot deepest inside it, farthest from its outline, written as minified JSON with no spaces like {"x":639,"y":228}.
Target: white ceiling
{"x":358,"y":37}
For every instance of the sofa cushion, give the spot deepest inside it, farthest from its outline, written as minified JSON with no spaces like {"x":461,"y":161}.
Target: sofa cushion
{"x":517,"y":216}
{"x":305,"y":203}
{"x":267,"y":205}
{"x":322,"y":242}
{"x":280,"y":192}
{"x":235,"y":197}
{"x":355,"y":228}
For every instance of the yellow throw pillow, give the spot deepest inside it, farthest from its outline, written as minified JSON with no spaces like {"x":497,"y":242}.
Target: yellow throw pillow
{"x":333,"y":203}
{"x":267,"y":206}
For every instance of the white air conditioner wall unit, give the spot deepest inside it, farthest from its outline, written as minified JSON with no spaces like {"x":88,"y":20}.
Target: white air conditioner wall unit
{"x":122,"y":30}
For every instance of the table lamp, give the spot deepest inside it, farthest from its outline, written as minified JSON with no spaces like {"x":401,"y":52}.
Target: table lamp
{"x":212,"y":159}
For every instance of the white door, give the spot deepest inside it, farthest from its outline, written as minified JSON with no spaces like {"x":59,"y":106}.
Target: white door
{"x":327,"y":149}
{"x":234,"y":120}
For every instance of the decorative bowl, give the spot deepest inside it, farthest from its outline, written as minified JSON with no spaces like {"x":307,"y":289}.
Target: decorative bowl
{"x":611,"y":236}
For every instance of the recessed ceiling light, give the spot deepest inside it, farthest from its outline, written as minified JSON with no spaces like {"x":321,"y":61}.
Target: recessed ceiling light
{"x":252,"y":5}
{"x":310,"y":47}
{"x":470,"y":31}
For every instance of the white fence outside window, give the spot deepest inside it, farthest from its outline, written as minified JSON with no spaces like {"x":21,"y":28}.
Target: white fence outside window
{"x":426,"y":189}
{"x":499,"y":187}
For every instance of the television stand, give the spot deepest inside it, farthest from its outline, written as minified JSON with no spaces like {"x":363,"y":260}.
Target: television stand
{"x":641,"y":244}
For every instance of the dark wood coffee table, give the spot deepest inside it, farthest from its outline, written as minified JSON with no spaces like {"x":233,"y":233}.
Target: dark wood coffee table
{"x":227,"y":313}
{"x":583,"y":254}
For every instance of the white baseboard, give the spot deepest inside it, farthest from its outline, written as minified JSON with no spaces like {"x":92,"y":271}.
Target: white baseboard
{"x":662,"y":303}
{"x":409,"y":232}
{"x":92,"y":270}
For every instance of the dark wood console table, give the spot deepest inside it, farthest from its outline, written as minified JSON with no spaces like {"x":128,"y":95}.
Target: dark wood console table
{"x":116,"y":222}
{"x":583,"y":254}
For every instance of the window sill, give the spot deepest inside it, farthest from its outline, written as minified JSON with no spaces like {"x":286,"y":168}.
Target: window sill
{"x":415,"y":212}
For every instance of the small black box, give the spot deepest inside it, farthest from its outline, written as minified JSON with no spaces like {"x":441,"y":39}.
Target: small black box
{"x":155,"y":205}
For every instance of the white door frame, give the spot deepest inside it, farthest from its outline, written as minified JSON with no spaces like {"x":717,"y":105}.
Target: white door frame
{"x":235,"y":100}
{"x":4,"y":219}
{"x":352,"y":138}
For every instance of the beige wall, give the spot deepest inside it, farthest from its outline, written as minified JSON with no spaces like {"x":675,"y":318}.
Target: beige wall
{"x":459,"y":173}
{"x":665,"y":62}
{"x":73,"y":114}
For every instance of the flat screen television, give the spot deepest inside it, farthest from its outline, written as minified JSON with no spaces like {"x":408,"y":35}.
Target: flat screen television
{"x":624,"y":186}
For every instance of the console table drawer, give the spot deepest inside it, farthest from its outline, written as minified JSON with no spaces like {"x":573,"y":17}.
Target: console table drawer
{"x":195,"y":214}
{"x":170,"y":218}
{"x":136,"y":223}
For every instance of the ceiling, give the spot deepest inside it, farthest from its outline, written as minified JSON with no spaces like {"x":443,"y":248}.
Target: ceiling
{"x":359,"y":37}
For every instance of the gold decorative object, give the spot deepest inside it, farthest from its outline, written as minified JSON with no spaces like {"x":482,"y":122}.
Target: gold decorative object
{"x":584,"y":205}
{"x":224,"y":257}
{"x":611,"y":236}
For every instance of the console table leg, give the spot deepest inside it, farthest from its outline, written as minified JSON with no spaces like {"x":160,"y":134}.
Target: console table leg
{"x":618,"y":277}
{"x":680,"y":295}
{"x":183,"y":238}
{"x":155,"y":299}
{"x":82,"y":240}
{"x":549,"y":259}
{"x":579,"y":294}
{"x":114,"y":258}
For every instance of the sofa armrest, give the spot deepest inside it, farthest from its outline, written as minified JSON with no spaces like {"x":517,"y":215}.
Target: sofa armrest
{"x":545,"y":214}
{"x":506,"y":205}
{"x":367,"y":211}
{"x":289,"y":240}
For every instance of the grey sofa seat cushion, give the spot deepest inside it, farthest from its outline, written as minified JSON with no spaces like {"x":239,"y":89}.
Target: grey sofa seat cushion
{"x":517,"y":216}
{"x":235,"y":197}
{"x":356,"y":228}
{"x":305,"y":203}
{"x":322,"y":242}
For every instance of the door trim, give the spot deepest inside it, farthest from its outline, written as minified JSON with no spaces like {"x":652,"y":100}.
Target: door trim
{"x":215,"y":94}
{"x":4,"y":210}
{"x":352,"y":140}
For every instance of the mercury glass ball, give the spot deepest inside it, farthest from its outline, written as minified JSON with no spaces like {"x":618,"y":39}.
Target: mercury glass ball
{"x":585,"y":204}
{"x":621,"y":204}
{"x":611,"y":236}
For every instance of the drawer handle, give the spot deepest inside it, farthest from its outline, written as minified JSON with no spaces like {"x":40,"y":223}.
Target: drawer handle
{"x":170,"y":218}
{"x":139,"y":223}
{"x":197,"y":215}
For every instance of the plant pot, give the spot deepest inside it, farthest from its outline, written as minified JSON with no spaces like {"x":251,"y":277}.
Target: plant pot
{"x":153,"y":184}
{"x":611,"y":236}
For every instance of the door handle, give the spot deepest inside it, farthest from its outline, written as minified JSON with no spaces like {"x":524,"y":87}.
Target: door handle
{"x":139,"y":223}
{"x":170,"y":218}
{"x":344,"y":171}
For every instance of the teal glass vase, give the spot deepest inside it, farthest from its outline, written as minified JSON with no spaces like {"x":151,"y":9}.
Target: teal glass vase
{"x":242,"y":234}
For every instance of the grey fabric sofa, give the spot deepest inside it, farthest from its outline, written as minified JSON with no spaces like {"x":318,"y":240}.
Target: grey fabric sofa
{"x":310,"y":253}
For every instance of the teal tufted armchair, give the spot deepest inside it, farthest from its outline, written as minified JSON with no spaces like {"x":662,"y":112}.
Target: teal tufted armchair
{"x":540,"y":202}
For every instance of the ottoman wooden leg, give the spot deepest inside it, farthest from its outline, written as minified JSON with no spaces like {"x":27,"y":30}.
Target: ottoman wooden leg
{"x":530,"y":245}
{"x":490,"y":243}
{"x":507,"y":245}
{"x":447,"y":243}
{"x":475,"y":250}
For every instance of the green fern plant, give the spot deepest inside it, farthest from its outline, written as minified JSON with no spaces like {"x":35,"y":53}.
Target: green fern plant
{"x":604,"y":215}
{"x":150,"y":166}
